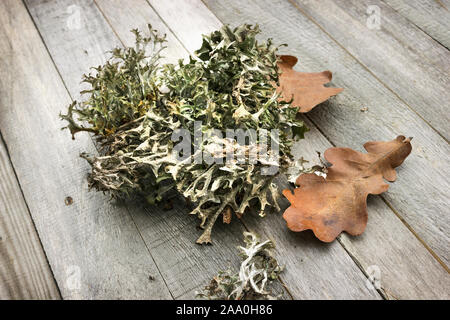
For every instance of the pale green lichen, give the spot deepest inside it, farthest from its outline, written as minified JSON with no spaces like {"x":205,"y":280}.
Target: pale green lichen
{"x":134,"y":106}
{"x":257,"y":271}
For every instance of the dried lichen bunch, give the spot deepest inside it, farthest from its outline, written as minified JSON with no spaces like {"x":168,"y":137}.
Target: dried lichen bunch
{"x":136,"y":106}
{"x":121,"y":90}
{"x":258,"y":269}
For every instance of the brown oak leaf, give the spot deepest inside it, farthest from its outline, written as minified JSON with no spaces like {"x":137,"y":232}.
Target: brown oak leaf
{"x":337,"y":203}
{"x":306,"y":89}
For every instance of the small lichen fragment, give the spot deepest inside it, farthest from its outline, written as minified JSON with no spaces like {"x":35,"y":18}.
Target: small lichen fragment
{"x":257,"y":271}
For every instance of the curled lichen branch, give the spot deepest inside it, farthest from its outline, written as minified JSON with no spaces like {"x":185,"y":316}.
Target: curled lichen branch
{"x":258,"y":269}
{"x":134,"y":106}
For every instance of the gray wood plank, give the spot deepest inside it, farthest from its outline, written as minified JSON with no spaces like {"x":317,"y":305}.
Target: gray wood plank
{"x":94,"y":250}
{"x":402,"y":65}
{"x":119,"y":16}
{"x":163,"y":236}
{"x":386,"y":239}
{"x":420,"y":195}
{"x":24,"y":270}
{"x":169,"y":235}
{"x":407,"y":269}
{"x":412,"y":37}
{"x":432,"y":16}
{"x":188,"y":20}
{"x":313,"y":270}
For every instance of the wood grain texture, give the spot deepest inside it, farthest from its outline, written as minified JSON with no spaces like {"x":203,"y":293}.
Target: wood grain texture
{"x":420,"y":195}
{"x":313,"y":270}
{"x":407,"y":269}
{"x":169,"y":235}
{"x":386,"y":239}
{"x":413,"y":272}
{"x":432,"y":16}
{"x":188,"y":267}
{"x":401,"y":64}
{"x":24,"y":270}
{"x":188,"y":20}
{"x":94,"y":250}
{"x":123,"y":17}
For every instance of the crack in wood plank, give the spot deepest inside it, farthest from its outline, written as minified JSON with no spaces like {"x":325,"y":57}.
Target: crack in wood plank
{"x":24,"y":270}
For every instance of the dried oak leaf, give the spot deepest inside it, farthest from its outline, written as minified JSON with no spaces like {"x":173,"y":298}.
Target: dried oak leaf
{"x":338,"y":203}
{"x":306,"y":89}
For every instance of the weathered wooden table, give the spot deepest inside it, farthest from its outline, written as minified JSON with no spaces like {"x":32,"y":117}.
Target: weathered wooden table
{"x":392,"y":57}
